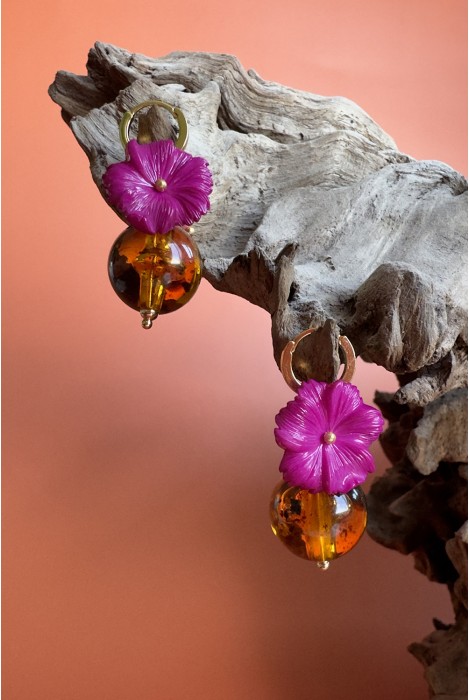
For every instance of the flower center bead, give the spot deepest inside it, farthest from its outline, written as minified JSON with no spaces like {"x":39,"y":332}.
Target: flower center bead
{"x":329,"y":438}
{"x":160,"y":185}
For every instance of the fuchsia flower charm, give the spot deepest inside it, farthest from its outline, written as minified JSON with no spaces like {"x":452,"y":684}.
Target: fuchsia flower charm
{"x":159,"y":186}
{"x":325,"y":432}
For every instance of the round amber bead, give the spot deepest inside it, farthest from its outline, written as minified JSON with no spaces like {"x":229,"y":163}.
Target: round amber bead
{"x":317,"y":526}
{"x":155,"y":272}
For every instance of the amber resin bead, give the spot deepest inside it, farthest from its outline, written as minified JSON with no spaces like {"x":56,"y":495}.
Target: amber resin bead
{"x":317,"y":526}
{"x":154,"y":273}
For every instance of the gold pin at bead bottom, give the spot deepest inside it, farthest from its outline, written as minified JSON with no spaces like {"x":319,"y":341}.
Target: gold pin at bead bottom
{"x":151,"y":297}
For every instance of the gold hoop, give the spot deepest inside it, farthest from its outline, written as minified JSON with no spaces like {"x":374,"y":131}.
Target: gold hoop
{"x":126,"y":120}
{"x":286,"y":359}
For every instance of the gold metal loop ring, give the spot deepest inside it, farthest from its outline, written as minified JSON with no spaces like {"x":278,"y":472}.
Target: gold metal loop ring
{"x":286,"y":359}
{"x":126,"y":120}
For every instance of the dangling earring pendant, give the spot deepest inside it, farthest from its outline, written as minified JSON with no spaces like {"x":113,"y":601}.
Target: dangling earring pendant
{"x":160,"y":190}
{"x":319,"y":510}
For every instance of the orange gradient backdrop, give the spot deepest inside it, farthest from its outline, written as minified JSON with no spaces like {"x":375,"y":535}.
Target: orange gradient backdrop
{"x":138,"y":560}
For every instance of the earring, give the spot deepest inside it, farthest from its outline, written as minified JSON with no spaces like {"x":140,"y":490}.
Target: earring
{"x":319,"y":510}
{"x":160,"y":191}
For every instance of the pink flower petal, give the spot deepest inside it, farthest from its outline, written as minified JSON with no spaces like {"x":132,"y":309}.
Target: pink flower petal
{"x":312,"y":394}
{"x":303,"y":469}
{"x":143,"y":161}
{"x":121,"y":178}
{"x":363,"y":427}
{"x":341,"y":399}
{"x":344,"y":468}
{"x":158,"y":212}
{"x":295,"y":429}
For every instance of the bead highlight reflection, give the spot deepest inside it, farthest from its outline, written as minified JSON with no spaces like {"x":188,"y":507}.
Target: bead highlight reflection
{"x":154,"y":273}
{"x":317,"y":526}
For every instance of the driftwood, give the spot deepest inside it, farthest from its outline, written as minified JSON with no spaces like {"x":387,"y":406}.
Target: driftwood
{"x":320,"y":220}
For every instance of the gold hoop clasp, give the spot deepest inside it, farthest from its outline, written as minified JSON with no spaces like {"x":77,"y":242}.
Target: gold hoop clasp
{"x":286,"y":359}
{"x":126,"y":120}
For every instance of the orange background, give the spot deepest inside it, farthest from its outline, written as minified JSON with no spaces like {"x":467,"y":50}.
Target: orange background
{"x":138,"y":560}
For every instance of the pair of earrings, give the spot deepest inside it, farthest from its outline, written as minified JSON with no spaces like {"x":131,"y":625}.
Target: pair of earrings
{"x":319,"y":510}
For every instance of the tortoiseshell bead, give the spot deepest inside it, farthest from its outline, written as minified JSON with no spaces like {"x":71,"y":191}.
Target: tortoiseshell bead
{"x":317,"y":526}
{"x":155,"y":273}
